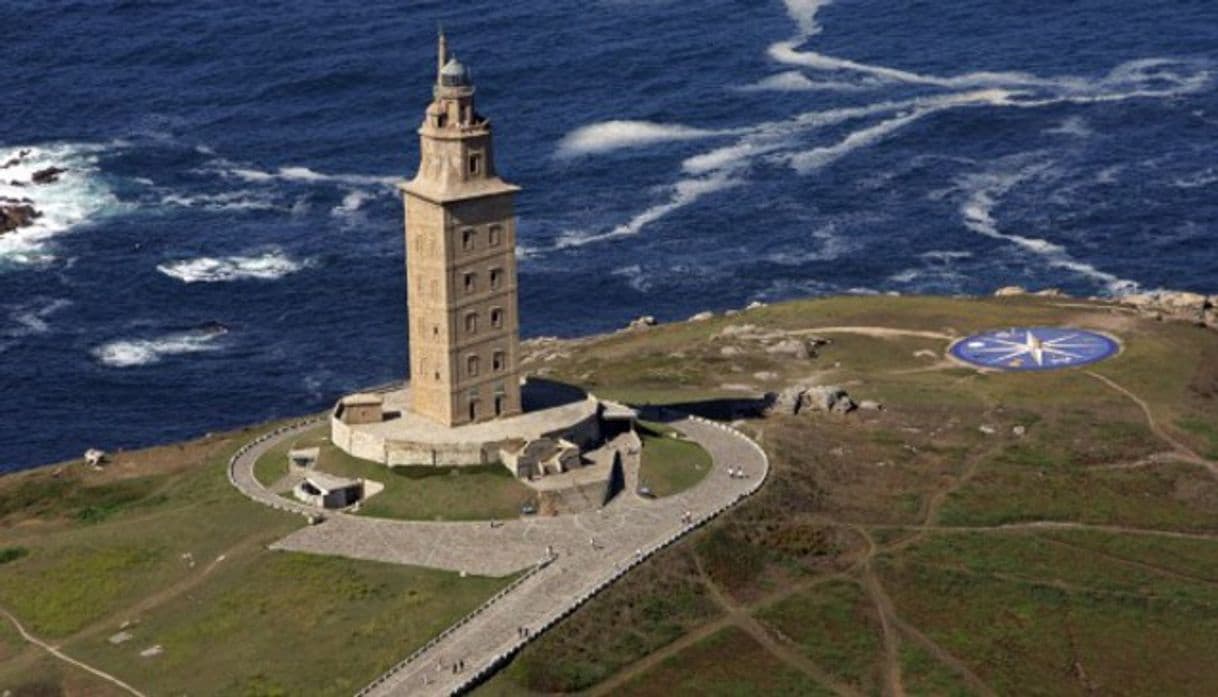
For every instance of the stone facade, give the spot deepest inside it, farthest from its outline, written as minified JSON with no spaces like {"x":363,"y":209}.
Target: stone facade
{"x":460,"y":264}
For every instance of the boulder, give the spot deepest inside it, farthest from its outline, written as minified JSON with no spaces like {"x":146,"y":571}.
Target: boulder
{"x":843,"y":404}
{"x":1050,"y":293}
{"x":733,"y":330}
{"x":826,"y":397}
{"x":789,"y":401}
{"x":16,"y":160}
{"x":1008,"y":291}
{"x":729,"y":351}
{"x":755,"y":305}
{"x":47,"y":176}
{"x":790,"y":347}
{"x":702,"y":316}
{"x":643,"y":322}
{"x":871,"y":405}
{"x":14,"y":215}
{"x":765,"y":375}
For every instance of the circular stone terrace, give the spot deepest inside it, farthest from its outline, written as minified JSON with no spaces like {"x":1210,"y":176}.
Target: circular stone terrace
{"x":566,"y":559}
{"x":551,"y":409}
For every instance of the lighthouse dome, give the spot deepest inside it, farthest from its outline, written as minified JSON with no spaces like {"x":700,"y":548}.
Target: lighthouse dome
{"x":454,"y":74}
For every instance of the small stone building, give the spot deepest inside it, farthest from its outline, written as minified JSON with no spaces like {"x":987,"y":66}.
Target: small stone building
{"x":328,"y":491}
{"x":540,"y":457}
{"x":362,"y":408}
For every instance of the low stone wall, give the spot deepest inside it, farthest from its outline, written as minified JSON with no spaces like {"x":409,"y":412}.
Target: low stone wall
{"x":399,"y":453}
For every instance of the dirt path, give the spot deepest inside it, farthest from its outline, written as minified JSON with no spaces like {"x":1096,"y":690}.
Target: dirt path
{"x":740,"y":616}
{"x":877,"y":332}
{"x":1145,"y":566}
{"x":1051,"y":525}
{"x":1182,"y":450}
{"x":169,"y":592}
{"x":68,"y":659}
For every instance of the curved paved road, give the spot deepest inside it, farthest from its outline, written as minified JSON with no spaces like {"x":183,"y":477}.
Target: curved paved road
{"x":624,"y":532}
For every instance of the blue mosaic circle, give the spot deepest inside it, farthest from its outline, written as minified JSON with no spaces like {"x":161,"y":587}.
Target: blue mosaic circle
{"x":1034,"y":348}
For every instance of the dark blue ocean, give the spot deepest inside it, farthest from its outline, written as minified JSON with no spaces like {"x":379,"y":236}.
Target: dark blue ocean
{"x":226,"y":246}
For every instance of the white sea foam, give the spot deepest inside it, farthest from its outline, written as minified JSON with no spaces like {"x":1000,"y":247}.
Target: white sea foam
{"x":811,"y":160}
{"x":1196,"y":180}
{"x":127,"y":353}
{"x":352,"y":202}
{"x":945,"y":256}
{"x":268,"y":266}
{"x":79,"y":196}
{"x":983,"y":192}
{"x":1146,"y":77}
{"x":607,"y":136}
{"x":795,"y":81}
{"x":825,"y":245}
{"x":225,"y":201}
{"x":683,"y":193}
{"x":295,"y":174}
{"x":1075,"y":126}
{"x":635,"y":277}
{"x":32,"y":317}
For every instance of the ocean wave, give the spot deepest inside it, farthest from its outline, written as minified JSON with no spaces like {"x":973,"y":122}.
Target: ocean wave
{"x":291,"y":173}
{"x":268,"y":266}
{"x":983,"y":192}
{"x":635,"y":277}
{"x":227,"y":201}
{"x":1075,"y":126}
{"x":351,"y":203}
{"x":31,"y":317}
{"x":607,"y":136}
{"x":1197,"y":180}
{"x":127,"y":353}
{"x":795,"y":81}
{"x":1143,"y":77}
{"x":78,"y":196}
{"x":683,"y":193}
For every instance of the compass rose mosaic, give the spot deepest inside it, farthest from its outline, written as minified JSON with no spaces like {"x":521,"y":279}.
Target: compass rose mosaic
{"x":1034,"y":348}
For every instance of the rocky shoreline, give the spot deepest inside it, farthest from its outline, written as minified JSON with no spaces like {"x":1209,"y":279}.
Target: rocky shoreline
{"x":16,"y":213}
{"x":1162,"y":305}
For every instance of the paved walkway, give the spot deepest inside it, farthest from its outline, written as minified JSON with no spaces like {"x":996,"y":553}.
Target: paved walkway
{"x":590,"y":550}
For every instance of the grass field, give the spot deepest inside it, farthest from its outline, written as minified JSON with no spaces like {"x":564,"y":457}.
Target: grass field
{"x":162,"y":544}
{"x":906,"y":549}
{"x":670,"y":464}
{"x":411,"y":493}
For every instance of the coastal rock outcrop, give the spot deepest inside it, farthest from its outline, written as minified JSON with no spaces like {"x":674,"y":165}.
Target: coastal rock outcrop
{"x":16,"y":214}
{"x":47,"y":176}
{"x":1181,"y":305}
{"x":798,"y":399}
{"x":642,"y":322}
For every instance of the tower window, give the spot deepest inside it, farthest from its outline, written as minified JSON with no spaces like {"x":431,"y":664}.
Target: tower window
{"x":498,"y":361}
{"x":496,"y":235}
{"x":471,"y":323}
{"x":467,"y":240}
{"x":471,"y":283}
{"x":471,"y":366}
{"x":497,"y":317}
{"x":496,"y":278}
{"x":475,"y":164}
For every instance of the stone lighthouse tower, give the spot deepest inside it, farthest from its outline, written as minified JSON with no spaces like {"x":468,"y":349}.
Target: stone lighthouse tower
{"x":460,"y":263}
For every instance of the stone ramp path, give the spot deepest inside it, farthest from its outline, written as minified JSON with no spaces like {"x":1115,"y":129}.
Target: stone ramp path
{"x":625,"y":533}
